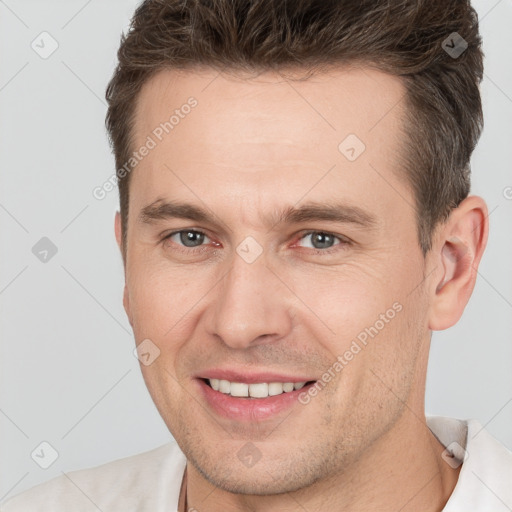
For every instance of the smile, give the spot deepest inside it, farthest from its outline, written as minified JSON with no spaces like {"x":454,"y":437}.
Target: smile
{"x":255,"y":389}
{"x":251,"y":402}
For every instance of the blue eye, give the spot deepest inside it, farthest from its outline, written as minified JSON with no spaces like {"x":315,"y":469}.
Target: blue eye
{"x":189,"y":238}
{"x":321,"y":240}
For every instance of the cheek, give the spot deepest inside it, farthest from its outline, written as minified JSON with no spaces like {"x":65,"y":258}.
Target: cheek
{"x":370,"y":312}
{"x":346,"y":298}
{"x":161,"y":297}
{"x":166,"y":300}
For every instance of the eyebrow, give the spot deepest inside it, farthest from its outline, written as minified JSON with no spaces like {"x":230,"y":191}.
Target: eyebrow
{"x":308,"y":212}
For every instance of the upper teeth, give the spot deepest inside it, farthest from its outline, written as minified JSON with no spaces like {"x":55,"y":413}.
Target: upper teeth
{"x":257,"y":390}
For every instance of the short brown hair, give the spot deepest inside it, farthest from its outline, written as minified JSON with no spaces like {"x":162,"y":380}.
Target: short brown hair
{"x":406,"y":38}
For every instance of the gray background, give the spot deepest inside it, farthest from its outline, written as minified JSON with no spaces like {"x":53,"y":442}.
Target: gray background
{"x":68,"y":375}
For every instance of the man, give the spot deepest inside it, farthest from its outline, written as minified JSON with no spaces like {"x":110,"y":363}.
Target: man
{"x":294,"y":224}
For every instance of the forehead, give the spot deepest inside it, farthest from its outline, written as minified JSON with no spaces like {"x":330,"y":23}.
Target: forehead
{"x":219,"y":136}
{"x":266,"y":108}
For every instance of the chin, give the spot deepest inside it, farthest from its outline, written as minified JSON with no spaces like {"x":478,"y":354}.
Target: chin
{"x":267,"y":477}
{"x":256,"y":484}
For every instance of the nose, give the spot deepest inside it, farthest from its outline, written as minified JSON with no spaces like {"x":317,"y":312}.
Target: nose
{"x":251,"y":305}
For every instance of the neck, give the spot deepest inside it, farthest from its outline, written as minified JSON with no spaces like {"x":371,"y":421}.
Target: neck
{"x":403,"y":470}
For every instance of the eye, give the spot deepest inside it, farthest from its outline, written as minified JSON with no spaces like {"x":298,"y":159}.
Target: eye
{"x":189,"y":238}
{"x":323,"y":241}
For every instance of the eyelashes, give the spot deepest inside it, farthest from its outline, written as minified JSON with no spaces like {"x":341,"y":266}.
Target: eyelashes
{"x":200,"y":236}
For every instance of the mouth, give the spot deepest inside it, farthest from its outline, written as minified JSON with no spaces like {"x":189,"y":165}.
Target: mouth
{"x":251,"y":402}
{"x":256,"y":390}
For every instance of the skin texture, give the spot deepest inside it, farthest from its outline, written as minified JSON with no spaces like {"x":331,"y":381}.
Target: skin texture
{"x":253,"y":146}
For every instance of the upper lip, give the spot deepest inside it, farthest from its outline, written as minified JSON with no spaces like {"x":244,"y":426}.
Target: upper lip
{"x":233,"y":375}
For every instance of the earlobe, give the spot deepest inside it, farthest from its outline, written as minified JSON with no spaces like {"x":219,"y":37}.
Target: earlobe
{"x":459,"y":246}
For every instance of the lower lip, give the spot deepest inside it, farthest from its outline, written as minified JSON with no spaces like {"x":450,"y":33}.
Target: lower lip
{"x":249,"y":409}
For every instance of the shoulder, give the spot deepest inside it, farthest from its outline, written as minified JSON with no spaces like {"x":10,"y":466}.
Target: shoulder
{"x":486,"y":474}
{"x":149,"y":481}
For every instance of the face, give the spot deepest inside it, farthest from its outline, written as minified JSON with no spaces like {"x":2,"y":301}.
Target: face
{"x":267,"y":246}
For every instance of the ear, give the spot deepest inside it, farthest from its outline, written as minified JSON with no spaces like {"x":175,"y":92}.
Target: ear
{"x":458,"y":248}
{"x":119,"y":240}
{"x":118,"y":231}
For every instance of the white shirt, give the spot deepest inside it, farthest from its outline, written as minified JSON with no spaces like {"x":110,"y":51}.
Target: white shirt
{"x":151,"y":481}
